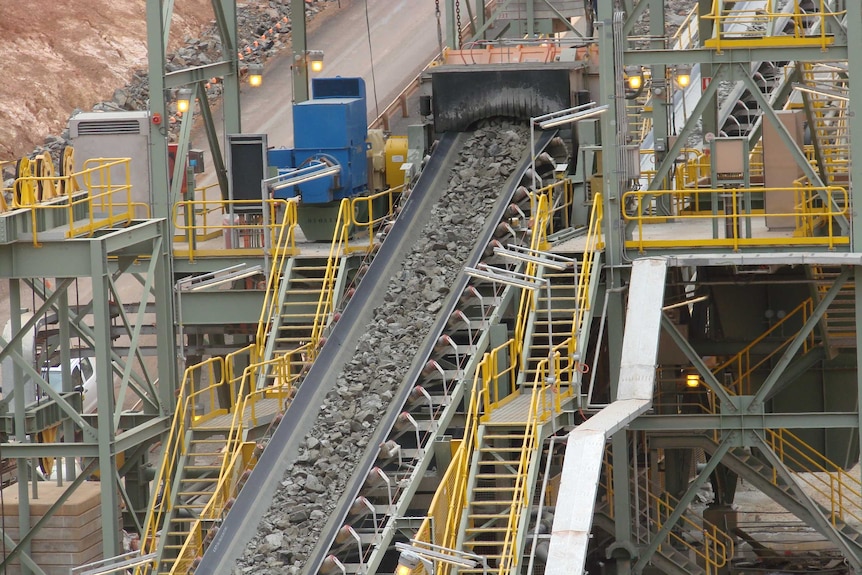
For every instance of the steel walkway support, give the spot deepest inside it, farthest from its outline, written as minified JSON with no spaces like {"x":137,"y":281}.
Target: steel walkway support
{"x":583,"y":460}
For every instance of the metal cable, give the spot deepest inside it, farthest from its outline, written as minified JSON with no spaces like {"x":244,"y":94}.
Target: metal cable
{"x":371,"y":57}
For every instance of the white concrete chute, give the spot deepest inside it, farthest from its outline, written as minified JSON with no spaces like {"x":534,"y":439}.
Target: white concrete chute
{"x":570,"y":533}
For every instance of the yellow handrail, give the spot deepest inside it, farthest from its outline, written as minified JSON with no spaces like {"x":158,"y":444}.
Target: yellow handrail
{"x":749,"y":27}
{"x":106,"y":199}
{"x":237,"y":457}
{"x":283,"y":248}
{"x":340,"y":239}
{"x":198,"y":406}
{"x":594,"y":244}
{"x":527,"y":306}
{"x":192,"y":405}
{"x":375,"y":217}
{"x":718,"y":546}
{"x":521,"y":496}
{"x":741,"y":364}
{"x":733,"y":220}
{"x":248,"y":229}
{"x":205,"y":208}
{"x":839,"y":492}
{"x":440,"y":526}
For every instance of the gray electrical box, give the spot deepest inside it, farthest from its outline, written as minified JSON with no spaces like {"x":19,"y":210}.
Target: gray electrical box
{"x":116,"y":135}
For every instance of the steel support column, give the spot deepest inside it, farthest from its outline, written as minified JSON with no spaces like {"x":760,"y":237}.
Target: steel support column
{"x":300,"y":48}
{"x":111,"y":544}
{"x":854,"y":70}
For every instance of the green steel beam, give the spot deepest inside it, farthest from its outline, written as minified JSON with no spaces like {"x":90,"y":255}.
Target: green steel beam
{"x":451,"y":29}
{"x":198,"y":74}
{"x":744,"y":422}
{"x":158,"y":20}
{"x":854,"y":70}
{"x":19,"y":403}
{"x":133,"y":331}
{"x":664,"y":168}
{"x":609,"y":27}
{"x":111,"y":544}
{"x":37,"y":450}
{"x":709,"y":118}
{"x":797,"y":369}
{"x":71,"y":259}
{"x":633,"y":15}
{"x":143,"y":433}
{"x":300,"y":47}
{"x":218,"y":162}
{"x":85,"y":333}
{"x":23,"y":371}
{"x":661,"y":103}
{"x":225,"y":11}
{"x":163,"y":296}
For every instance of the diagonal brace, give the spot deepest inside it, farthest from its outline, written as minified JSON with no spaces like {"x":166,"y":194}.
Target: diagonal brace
{"x":799,"y":339}
{"x":708,"y":377}
{"x":684,"y":502}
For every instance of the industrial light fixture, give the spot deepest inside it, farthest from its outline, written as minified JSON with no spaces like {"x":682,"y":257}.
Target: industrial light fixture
{"x":407,"y":562}
{"x":682,"y":75}
{"x":184,"y":96}
{"x":255,"y":75}
{"x":692,"y":380}
{"x":315,"y":60}
{"x":634,"y":77}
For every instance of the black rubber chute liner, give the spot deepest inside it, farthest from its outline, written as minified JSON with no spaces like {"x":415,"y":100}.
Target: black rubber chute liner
{"x":465,"y":95}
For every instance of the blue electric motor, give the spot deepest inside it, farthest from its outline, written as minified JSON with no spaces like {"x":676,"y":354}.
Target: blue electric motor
{"x":330,"y":128}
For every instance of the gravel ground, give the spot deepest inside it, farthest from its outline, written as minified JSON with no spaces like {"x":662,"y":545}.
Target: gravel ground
{"x":312,"y":485}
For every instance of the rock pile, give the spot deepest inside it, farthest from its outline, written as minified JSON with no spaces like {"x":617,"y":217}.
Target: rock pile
{"x":350,"y":414}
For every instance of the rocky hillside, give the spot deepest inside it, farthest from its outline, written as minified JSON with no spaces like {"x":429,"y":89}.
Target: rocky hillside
{"x":68,"y":55}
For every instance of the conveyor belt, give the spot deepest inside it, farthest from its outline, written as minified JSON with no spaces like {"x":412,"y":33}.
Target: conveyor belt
{"x":253,"y":501}
{"x":338,"y":517}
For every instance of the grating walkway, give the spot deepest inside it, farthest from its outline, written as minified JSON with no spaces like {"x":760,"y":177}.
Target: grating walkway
{"x":256,"y":413}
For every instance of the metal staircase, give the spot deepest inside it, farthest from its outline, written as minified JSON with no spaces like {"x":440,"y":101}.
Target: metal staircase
{"x":680,"y":555}
{"x":502,"y":478}
{"x":198,"y":475}
{"x":824,"y":499}
{"x":839,"y":321}
{"x":504,"y":463}
{"x":302,"y":286}
{"x":550,"y":329}
{"x":826,"y":93}
{"x":211,"y":449}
